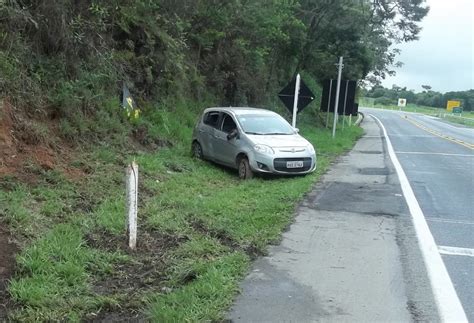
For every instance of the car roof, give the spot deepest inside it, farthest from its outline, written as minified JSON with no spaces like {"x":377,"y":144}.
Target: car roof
{"x":241,"y":110}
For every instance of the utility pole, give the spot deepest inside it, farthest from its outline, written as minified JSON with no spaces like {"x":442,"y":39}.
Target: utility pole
{"x":338,"y":88}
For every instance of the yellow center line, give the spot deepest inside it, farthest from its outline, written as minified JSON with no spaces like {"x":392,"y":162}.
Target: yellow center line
{"x":438,"y":134}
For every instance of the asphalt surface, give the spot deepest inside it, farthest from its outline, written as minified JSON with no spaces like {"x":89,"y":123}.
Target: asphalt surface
{"x":351,"y":255}
{"x":454,"y":130}
{"x":441,"y":173}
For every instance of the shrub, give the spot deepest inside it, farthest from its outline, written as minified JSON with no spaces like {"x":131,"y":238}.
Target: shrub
{"x":384,"y":101}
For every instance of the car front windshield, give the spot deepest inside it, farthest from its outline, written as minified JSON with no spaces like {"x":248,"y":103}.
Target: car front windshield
{"x":258,"y":124}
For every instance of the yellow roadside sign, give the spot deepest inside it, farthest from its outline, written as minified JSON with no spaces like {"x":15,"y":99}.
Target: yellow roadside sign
{"x":452,"y":104}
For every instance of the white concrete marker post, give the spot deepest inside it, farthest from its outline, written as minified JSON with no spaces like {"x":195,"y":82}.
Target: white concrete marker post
{"x":338,"y":88}
{"x":295,"y":102}
{"x":132,"y":203}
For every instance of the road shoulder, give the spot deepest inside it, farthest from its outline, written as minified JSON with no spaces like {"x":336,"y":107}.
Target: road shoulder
{"x":351,"y":254}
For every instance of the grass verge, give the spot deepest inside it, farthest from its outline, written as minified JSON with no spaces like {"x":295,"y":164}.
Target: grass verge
{"x":467,"y":119}
{"x":199,"y":228}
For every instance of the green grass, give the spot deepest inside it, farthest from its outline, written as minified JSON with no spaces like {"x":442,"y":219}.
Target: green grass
{"x":467,"y":118}
{"x":210,"y":224}
{"x":205,"y":298}
{"x":468,"y":114}
{"x":55,"y":274}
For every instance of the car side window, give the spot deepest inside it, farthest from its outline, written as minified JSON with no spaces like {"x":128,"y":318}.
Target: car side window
{"x":211,"y":118}
{"x":228,"y":124}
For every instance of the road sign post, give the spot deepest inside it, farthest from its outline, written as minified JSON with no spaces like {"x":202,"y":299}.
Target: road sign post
{"x":296,"y":96}
{"x":338,"y":88}
{"x":295,"y":102}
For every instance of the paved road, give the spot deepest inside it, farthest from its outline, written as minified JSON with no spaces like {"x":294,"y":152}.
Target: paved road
{"x":439,"y":125}
{"x":441,"y":173}
{"x":352,"y":254}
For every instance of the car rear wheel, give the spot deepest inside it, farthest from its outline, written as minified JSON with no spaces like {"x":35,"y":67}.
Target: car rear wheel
{"x":245,"y":172}
{"x":197,"y":150}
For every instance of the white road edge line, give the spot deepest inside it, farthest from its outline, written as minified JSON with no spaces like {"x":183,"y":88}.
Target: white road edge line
{"x":455,"y":251}
{"x":446,"y":298}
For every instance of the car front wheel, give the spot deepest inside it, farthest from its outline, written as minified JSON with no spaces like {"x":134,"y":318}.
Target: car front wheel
{"x":245,"y":172}
{"x":197,"y":150}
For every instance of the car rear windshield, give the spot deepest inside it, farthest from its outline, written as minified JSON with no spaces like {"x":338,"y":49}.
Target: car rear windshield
{"x":265,"y":125}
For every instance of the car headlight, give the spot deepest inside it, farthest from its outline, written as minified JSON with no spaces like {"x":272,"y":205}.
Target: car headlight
{"x":310,"y":148}
{"x":263,"y":149}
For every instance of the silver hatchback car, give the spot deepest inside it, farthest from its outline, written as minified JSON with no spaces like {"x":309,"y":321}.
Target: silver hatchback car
{"x":252,"y":141}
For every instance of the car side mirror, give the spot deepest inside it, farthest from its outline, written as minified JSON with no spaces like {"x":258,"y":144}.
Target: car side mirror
{"x":297,"y":130}
{"x":233,"y":134}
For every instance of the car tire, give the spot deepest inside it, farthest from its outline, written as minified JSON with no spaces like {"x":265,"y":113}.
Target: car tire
{"x":196,"y":150}
{"x":245,"y":172}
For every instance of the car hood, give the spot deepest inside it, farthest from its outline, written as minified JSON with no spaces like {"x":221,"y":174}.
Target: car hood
{"x":279,"y":140}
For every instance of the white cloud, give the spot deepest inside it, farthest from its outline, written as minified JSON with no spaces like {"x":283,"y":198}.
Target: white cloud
{"x":443,"y":56}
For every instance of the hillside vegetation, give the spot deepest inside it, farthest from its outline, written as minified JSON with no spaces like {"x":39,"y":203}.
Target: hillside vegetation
{"x":65,"y":139}
{"x":68,"y":58}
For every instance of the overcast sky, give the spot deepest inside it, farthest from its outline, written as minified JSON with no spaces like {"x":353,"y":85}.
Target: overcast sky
{"x":443,"y":56}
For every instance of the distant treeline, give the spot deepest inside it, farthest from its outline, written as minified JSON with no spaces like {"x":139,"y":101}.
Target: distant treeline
{"x":427,"y":97}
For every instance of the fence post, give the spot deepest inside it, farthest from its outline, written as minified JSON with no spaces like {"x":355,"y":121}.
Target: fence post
{"x":131,"y":180}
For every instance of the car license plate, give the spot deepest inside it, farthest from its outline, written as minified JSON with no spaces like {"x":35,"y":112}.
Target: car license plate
{"x":294,"y":164}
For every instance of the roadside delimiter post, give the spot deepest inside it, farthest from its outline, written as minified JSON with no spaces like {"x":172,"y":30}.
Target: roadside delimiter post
{"x":132,"y":203}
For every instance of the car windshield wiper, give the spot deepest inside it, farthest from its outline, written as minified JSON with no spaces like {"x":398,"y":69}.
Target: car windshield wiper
{"x":253,"y":133}
{"x":277,"y":133}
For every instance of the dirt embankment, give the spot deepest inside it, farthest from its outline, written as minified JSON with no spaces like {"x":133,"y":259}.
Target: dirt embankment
{"x":20,"y":149}
{"x":22,"y":144}
{"x":8,"y":249}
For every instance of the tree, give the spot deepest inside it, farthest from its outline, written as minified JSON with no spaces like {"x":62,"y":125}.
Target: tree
{"x":238,"y":51}
{"x":361,"y":31}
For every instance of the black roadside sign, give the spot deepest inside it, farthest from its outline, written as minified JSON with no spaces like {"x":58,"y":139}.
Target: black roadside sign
{"x":287,"y":95}
{"x":350,"y":97}
{"x":355,"y":110}
{"x":346,"y":96}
